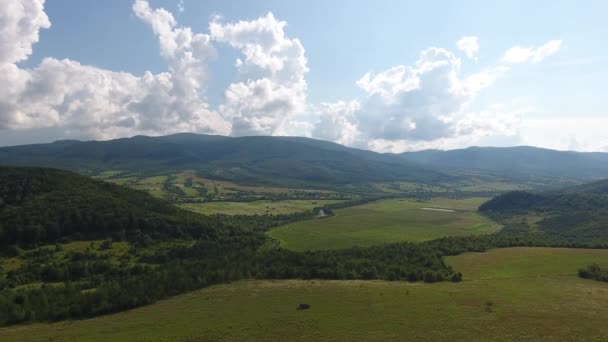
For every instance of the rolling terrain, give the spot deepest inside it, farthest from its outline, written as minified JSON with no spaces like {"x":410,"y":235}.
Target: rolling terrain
{"x":507,"y":294}
{"x":416,"y":253}
{"x":75,"y":247}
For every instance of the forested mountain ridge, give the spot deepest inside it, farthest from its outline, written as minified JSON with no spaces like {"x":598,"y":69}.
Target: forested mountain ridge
{"x":256,"y":159}
{"x":521,"y":162}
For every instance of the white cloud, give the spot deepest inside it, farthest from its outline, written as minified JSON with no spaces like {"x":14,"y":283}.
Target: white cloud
{"x":572,"y":133}
{"x":272,"y":87}
{"x":518,"y":54}
{"x":428,"y":104}
{"x":337,"y":122}
{"x":20,"y":22}
{"x":469,"y":45}
{"x":425,"y":104}
{"x":100,"y":103}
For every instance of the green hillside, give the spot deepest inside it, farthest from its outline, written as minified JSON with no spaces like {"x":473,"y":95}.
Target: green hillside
{"x":46,"y":206}
{"x":577,"y":214}
{"x":259,"y":159}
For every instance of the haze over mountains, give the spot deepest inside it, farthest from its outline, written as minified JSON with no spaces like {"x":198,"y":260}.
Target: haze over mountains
{"x":280,"y":160}
{"x":520,"y":161}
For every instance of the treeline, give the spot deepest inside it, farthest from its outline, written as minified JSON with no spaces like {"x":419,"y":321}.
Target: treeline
{"x":594,"y":272}
{"x":90,"y":285}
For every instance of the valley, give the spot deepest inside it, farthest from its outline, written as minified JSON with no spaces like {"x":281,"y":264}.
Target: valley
{"x":224,"y":246}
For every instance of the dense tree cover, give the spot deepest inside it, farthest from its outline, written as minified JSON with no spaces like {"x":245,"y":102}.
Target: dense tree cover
{"x":577,"y":214}
{"x":595,"y":272}
{"x":40,"y":206}
{"x":171,"y":250}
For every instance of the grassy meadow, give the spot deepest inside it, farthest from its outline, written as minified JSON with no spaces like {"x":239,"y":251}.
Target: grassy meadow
{"x":509,"y":294}
{"x":386,"y":221}
{"x":256,"y":207}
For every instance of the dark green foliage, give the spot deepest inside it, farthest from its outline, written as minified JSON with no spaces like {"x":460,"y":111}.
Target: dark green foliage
{"x":577,"y":214}
{"x":594,"y":272}
{"x":46,"y":205}
{"x":514,"y":201}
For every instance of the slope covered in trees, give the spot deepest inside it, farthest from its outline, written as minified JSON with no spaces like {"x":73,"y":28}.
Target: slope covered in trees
{"x":260,"y":159}
{"x":47,"y":205}
{"x":578,"y":214}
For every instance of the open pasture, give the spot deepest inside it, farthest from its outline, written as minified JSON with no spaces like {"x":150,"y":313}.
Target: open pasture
{"x":535,"y":302}
{"x":256,"y":207}
{"x":385,"y":222}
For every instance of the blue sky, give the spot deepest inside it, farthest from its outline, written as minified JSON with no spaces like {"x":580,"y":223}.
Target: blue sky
{"x":551,"y":99}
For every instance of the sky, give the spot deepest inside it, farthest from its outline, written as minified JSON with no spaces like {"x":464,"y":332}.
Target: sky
{"x":389,"y":76}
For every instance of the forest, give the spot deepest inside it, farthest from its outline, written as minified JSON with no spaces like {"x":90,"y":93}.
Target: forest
{"x":171,"y":250}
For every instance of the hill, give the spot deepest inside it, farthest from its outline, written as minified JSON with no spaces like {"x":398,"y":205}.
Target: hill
{"x":40,"y":205}
{"x":258,"y":159}
{"x":521,"y":163}
{"x":72,"y":247}
{"x":577,"y":214}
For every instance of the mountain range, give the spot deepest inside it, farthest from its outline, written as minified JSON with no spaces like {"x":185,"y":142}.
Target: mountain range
{"x":302,"y":161}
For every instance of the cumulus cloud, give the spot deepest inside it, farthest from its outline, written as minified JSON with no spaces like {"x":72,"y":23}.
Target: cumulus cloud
{"x":20,"y":22}
{"x":337,"y":122}
{"x":101,"y":103}
{"x":518,"y":54}
{"x":427,"y":104}
{"x":424,"y":104}
{"x":411,"y":104}
{"x":272,"y":87}
{"x":469,"y":45}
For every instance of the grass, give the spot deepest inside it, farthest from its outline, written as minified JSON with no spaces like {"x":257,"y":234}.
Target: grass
{"x":520,"y":262}
{"x":256,"y":207}
{"x":154,"y":185}
{"x":195,"y":188}
{"x":540,"y":300}
{"x":384,"y":222}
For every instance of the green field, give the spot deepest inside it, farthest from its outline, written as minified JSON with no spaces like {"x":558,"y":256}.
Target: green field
{"x":256,"y":207}
{"x":507,"y":294}
{"x":384,"y":222}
